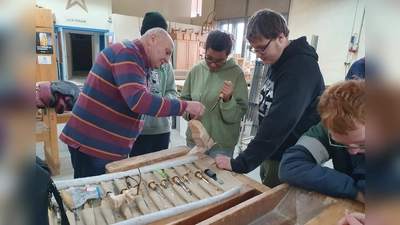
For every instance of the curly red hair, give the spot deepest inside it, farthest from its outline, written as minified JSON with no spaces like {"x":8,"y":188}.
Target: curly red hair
{"x":342,"y":106}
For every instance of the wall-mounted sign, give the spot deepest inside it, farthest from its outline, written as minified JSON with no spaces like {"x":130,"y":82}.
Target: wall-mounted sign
{"x":46,"y":60}
{"x":76,"y":20}
{"x":81,"y":3}
{"x":44,"y":43}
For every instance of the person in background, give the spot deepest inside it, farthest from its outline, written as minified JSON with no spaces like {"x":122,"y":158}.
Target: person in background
{"x":357,"y":70}
{"x":109,"y":113}
{"x":160,"y":83}
{"x":339,"y":136}
{"x":288,"y":99}
{"x":213,"y":76}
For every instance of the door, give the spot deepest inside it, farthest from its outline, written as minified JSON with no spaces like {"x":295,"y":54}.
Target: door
{"x":193,"y":54}
{"x":181,"y":55}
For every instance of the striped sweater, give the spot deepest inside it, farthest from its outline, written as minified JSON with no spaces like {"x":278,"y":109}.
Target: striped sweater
{"x":109,"y":113}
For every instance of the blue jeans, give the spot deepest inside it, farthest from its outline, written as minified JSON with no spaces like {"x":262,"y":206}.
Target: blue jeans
{"x":85,"y":165}
{"x":213,"y":152}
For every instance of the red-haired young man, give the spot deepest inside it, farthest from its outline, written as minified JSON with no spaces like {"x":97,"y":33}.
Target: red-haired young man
{"x":339,"y":136}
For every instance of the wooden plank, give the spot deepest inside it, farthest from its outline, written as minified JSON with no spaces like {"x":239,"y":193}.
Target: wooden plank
{"x":44,"y":18}
{"x":193,"y":54}
{"x":51,"y":145}
{"x":246,"y":212}
{"x":54,"y":163}
{"x":47,"y":72}
{"x":42,"y":136}
{"x":40,"y":127}
{"x":147,"y":159}
{"x":63,"y":118}
{"x":329,"y":216}
{"x":182,"y":55}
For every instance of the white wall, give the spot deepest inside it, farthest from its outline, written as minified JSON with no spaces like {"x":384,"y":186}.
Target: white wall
{"x":128,"y":27}
{"x":125,"y":27}
{"x":383,"y":30}
{"x":333,"y":22}
{"x":96,"y":17}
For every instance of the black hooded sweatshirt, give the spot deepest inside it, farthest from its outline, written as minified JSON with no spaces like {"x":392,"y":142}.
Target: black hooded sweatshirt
{"x":288,"y":105}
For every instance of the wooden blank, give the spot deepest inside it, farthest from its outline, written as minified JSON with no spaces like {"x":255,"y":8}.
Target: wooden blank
{"x":147,"y":159}
{"x":200,"y":136}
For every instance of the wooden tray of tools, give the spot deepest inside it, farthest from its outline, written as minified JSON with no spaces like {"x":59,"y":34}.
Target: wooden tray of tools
{"x":255,"y":203}
{"x":169,"y":192}
{"x":175,"y":186}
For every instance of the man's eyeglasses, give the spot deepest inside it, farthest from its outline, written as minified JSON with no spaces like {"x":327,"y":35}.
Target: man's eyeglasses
{"x":260,"y":51}
{"x":344,"y":146}
{"x":217,"y":63}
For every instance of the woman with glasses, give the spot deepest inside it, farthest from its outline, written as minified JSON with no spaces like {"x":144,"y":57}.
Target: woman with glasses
{"x":339,"y":136}
{"x":219,"y":84}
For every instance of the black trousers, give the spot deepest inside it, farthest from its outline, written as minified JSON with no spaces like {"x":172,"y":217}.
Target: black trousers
{"x":150,"y":143}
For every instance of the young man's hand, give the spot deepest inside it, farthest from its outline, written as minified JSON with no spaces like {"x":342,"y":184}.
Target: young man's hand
{"x":223,"y":162}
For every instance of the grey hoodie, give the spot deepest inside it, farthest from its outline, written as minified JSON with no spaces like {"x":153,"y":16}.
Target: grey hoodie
{"x":161,"y":83}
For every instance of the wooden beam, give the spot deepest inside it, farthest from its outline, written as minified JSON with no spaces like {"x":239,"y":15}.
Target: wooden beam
{"x":254,"y":208}
{"x":147,"y":159}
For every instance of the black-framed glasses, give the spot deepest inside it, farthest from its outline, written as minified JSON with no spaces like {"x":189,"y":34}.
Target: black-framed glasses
{"x":343,"y":146}
{"x":260,"y":51}
{"x":217,"y":63}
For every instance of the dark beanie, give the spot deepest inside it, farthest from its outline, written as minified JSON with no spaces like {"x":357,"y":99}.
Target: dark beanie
{"x":153,"y":20}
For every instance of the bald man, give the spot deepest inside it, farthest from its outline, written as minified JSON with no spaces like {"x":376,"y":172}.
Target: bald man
{"x":109,"y":113}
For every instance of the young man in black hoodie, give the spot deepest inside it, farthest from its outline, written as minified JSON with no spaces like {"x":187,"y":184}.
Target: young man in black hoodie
{"x":288,"y":100}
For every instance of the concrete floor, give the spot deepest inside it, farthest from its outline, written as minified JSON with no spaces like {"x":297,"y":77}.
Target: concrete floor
{"x":66,"y":166}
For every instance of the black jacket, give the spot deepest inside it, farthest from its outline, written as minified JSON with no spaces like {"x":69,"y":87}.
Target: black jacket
{"x":288,"y":106}
{"x":301,"y":166}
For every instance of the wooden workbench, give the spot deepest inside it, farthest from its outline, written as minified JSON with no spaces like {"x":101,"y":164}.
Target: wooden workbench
{"x":256,"y":204}
{"x":236,"y":200}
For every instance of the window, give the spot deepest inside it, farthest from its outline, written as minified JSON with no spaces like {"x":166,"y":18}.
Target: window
{"x":236,"y":28}
{"x":196,"y":8}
